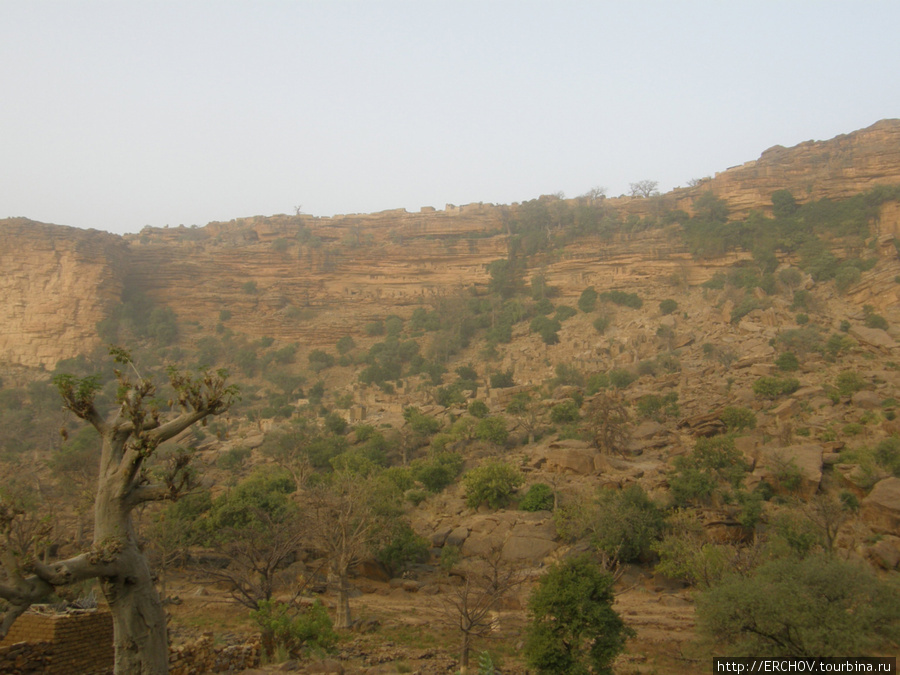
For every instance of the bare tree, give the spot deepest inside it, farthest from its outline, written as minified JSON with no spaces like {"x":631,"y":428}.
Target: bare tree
{"x":130,"y":437}
{"x":345,"y":525}
{"x":644,"y":188}
{"x":488,"y":579}
{"x":608,"y":420}
{"x":256,"y":554}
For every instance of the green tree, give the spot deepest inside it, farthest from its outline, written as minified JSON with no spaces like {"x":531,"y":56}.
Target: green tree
{"x":816,"y":606}
{"x":573,"y":627}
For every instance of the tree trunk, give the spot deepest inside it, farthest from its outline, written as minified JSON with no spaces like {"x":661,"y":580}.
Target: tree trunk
{"x":139,"y":621}
{"x":343,"y":620}
{"x":464,"y":655}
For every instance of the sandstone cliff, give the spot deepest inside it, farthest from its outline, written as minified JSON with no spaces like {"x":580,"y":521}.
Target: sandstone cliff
{"x":313,"y":280}
{"x":57,"y":283}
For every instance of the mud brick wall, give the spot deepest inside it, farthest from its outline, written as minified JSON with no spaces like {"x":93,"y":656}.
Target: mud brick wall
{"x":79,"y":643}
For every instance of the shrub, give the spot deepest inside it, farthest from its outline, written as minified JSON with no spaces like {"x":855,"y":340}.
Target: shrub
{"x":320,"y":360}
{"x":772,"y":387}
{"x":658,"y":407}
{"x":492,"y":430}
{"x":846,"y":276}
{"x":437,"y":471}
{"x":620,"y":379}
{"x":737,"y":419}
{"x":404,"y":548}
{"x":420,"y":423}
{"x":345,"y":345}
{"x":493,"y":482}
{"x":627,"y":523}
{"x":668,"y":306}
{"x":502,"y":380}
{"x":787,"y":362}
{"x":849,"y":382}
{"x":876,"y":321}
{"x":564,"y":312}
{"x":587,"y":302}
{"x":538,"y":498}
{"x":478,"y":409}
{"x":713,"y":467}
{"x":622,"y":298}
{"x":602,"y":323}
{"x":565,"y":412}
{"x":294,"y":630}
{"x":249,"y":287}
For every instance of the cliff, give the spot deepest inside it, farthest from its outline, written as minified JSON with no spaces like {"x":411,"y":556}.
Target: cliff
{"x":314,"y":280}
{"x":57,"y":283}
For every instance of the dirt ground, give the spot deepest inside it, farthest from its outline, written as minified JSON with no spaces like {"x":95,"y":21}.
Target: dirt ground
{"x":410,"y":631}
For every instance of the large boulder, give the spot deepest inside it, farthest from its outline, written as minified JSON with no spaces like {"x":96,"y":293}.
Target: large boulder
{"x":880,"y":510}
{"x":575,"y":457}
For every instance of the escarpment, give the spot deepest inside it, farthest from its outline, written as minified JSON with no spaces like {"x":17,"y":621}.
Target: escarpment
{"x":313,"y":280}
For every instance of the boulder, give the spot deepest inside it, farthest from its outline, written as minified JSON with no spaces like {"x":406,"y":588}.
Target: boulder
{"x":577,"y":460}
{"x":885,"y":553}
{"x":867,"y":400}
{"x":880,"y":510}
{"x":874,"y":337}
{"x":457,"y":537}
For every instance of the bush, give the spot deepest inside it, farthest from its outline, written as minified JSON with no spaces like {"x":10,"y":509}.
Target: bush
{"x":573,"y":627}
{"x":565,"y":412}
{"x":816,"y":606}
{"x":587,"y":301}
{"x":602,"y":323}
{"x":295,"y":630}
{"x":713,"y":467}
{"x":849,"y":382}
{"x":564,"y":312}
{"x":787,"y":362}
{"x":493,"y":482}
{"x":492,"y":430}
{"x":478,"y":409}
{"x":627,"y":523}
{"x":772,"y":387}
{"x":438,"y":471}
{"x":622,"y":298}
{"x":738,"y":419}
{"x":502,"y":380}
{"x":404,"y":548}
{"x":620,"y":379}
{"x":668,"y":306}
{"x":538,"y":498}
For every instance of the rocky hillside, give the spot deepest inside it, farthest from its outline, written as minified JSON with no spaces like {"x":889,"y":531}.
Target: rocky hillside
{"x":314,"y":280}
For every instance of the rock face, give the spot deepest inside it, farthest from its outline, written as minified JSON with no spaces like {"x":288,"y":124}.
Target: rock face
{"x":315,"y":280}
{"x":880,"y":510}
{"x":57,"y":284}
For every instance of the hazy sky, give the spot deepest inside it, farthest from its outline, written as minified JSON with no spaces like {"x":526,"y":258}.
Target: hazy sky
{"x":116,"y":115}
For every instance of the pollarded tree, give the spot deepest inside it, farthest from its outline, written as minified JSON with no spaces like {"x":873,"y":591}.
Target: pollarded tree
{"x":130,"y":438}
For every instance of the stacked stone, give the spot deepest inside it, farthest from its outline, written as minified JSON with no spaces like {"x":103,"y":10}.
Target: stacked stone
{"x":24,"y":658}
{"x":202,"y":656}
{"x":77,"y":642}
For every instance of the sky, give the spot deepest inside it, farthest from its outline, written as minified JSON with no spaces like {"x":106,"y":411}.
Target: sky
{"x":120,"y":114}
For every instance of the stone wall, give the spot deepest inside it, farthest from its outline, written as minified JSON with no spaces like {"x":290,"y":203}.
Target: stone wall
{"x":81,"y":643}
{"x":59,"y":644}
{"x":203,"y":656}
